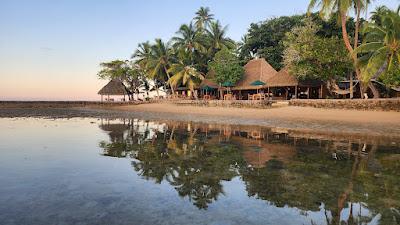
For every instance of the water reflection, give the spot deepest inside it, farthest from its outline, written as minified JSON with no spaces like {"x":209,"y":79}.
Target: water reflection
{"x":350,"y":180}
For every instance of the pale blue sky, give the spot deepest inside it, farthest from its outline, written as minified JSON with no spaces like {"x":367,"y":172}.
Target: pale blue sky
{"x":51,"y":49}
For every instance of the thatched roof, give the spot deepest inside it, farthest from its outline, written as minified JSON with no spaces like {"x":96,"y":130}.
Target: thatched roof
{"x":114,"y":87}
{"x":284,"y":79}
{"x":209,"y":83}
{"x":255,"y":69}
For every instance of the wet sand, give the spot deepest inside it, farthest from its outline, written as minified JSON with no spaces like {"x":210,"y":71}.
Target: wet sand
{"x":305,"y":119}
{"x":284,"y":112}
{"x":370,"y":123}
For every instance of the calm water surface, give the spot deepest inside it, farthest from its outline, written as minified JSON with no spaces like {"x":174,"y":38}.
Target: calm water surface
{"x":100,"y":171}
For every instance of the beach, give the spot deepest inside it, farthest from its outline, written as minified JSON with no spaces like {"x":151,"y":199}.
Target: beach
{"x":305,"y":119}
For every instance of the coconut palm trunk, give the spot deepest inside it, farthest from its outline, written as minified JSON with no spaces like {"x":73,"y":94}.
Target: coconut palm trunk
{"x":157,"y":89}
{"x":169,"y":77}
{"x":350,"y":49}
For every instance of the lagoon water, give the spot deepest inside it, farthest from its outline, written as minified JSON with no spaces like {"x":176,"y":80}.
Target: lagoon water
{"x":131,"y":171}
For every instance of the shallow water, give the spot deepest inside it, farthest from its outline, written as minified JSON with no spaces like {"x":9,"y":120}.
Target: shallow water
{"x":130,"y":171}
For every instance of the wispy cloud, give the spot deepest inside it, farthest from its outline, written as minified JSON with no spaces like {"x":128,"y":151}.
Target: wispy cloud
{"x":46,"y":49}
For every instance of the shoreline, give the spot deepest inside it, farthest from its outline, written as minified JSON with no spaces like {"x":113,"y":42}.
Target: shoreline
{"x":303,"y":119}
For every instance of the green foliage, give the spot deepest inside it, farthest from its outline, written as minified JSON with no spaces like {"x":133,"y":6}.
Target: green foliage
{"x":329,"y":8}
{"x":265,"y":39}
{"x":184,"y":59}
{"x":391,"y":78}
{"x":203,"y":18}
{"x":112,"y":70}
{"x":310,"y":56}
{"x":130,"y":74}
{"x":184,"y":73}
{"x":380,"y":52}
{"x":226,"y":66}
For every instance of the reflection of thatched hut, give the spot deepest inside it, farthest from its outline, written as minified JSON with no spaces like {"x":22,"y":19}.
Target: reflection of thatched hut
{"x":287,"y":86}
{"x":255,"y":70}
{"x":115,"y":131}
{"x":258,"y":152}
{"x":114,"y":87}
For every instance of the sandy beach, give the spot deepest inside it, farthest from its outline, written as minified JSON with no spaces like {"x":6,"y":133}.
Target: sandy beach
{"x":305,"y":119}
{"x":286,"y":112}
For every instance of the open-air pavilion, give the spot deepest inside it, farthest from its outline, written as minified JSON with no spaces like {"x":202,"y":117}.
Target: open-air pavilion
{"x":114,"y":88}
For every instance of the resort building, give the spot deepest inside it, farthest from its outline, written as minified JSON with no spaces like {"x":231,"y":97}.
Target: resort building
{"x":261,"y":81}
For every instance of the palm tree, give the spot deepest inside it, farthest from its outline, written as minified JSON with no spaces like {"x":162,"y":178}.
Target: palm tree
{"x":159,"y":61}
{"x":189,"y":39}
{"x":376,"y":16}
{"x":381,"y":46}
{"x":216,"y":38}
{"x":142,"y":54}
{"x":184,"y":73}
{"x":203,"y":18}
{"x":342,"y":8}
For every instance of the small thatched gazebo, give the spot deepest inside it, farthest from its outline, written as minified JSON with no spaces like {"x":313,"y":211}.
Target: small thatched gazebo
{"x":114,"y":87}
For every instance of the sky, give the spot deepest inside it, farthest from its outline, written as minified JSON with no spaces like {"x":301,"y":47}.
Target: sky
{"x":51,"y":49}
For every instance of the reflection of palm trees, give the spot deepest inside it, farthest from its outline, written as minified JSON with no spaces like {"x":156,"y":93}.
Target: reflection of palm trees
{"x":196,"y":158}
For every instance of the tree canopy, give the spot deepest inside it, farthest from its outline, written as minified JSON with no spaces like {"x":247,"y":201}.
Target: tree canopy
{"x":265,"y":39}
{"x":309,"y":56}
{"x":226,"y":66}
{"x":381,"y":49}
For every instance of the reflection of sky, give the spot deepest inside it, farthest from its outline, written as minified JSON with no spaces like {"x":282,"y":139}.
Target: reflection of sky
{"x":52,"y":49}
{"x":52,"y":171}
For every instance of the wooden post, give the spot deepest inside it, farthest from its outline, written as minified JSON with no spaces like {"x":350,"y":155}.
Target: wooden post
{"x":286,"y":93}
{"x":308,"y":92}
{"x":295,"y":91}
{"x":351,"y":86}
{"x":320,"y":91}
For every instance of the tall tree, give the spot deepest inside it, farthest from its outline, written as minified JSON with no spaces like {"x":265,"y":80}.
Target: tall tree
{"x":310,"y":56}
{"x":378,"y":14}
{"x":265,"y":39}
{"x":216,"y":38}
{"x":381,"y":47}
{"x":328,"y":8}
{"x":203,"y":18}
{"x":226,"y":66}
{"x":160,"y":59}
{"x":190,"y":40}
{"x":183,"y":72}
{"x":142,"y":54}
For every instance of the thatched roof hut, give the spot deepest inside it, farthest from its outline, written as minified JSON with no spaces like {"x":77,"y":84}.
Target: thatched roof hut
{"x":114,"y":87}
{"x":284,"y":79}
{"x":255,"y":70}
